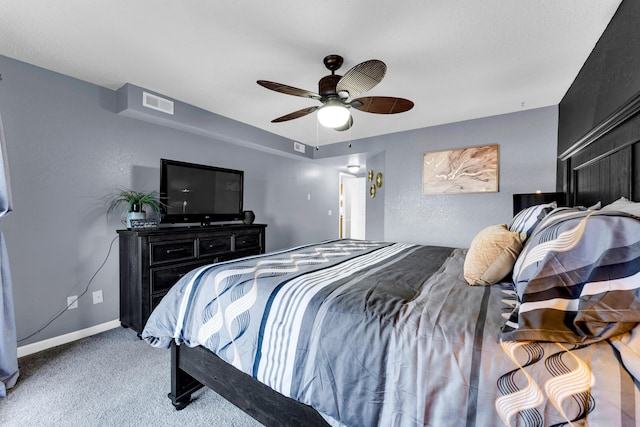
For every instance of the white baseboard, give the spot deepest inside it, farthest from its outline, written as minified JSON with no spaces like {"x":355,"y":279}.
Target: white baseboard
{"x":28,"y":349}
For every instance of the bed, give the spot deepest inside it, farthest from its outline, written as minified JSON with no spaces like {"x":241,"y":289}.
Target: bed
{"x":368,"y":333}
{"x":382,"y":340}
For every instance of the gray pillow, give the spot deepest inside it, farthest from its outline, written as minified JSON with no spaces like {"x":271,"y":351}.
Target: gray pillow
{"x":526,"y":220}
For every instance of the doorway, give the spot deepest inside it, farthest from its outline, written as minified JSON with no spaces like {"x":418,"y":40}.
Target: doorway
{"x":353,"y":203}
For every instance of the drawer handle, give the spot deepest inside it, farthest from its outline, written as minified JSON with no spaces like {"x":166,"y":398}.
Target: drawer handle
{"x":170,"y":251}
{"x":219,"y":245}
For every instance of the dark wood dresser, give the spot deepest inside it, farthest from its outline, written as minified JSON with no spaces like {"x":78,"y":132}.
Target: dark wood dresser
{"x":151,"y":261}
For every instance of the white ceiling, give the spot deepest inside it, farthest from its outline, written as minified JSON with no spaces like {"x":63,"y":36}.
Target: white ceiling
{"x":456,"y":59}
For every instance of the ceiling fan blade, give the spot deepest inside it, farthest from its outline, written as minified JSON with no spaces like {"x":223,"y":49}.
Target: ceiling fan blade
{"x":362,"y":77}
{"x":295,"y":115}
{"x":289,"y":90}
{"x":382,"y":104}
{"x":346,"y":126}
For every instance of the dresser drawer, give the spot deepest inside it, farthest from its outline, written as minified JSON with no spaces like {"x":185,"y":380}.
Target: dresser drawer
{"x":153,"y":261}
{"x":162,"y":279}
{"x":172,"y":251}
{"x":247,"y":241}
{"x":214,"y":245}
{"x":248,"y":252}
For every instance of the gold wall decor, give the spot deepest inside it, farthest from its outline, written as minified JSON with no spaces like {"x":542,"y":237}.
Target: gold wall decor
{"x":463,"y":170}
{"x":376,"y":182}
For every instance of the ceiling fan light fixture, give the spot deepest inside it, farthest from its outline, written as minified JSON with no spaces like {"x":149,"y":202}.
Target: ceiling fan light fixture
{"x":333,"y":114}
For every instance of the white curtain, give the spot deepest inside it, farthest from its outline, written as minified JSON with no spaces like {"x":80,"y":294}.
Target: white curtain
{"x":8,"y":345}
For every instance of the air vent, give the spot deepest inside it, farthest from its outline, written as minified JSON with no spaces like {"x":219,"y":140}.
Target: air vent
{"x":156,"y":103}
{"x":298,"y":147}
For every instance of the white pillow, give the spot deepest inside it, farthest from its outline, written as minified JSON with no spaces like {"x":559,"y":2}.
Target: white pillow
{"x":624,"y":205}
{"x":595,"y":207}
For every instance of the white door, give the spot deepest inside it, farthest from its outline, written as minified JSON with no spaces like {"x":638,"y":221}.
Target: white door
{"x":353,"y":207}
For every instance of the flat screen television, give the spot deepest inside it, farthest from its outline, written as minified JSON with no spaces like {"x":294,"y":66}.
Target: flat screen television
{"x":199,"y":193}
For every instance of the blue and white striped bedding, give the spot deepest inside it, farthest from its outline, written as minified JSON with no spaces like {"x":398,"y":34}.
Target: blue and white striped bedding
{"x":381,"y":334}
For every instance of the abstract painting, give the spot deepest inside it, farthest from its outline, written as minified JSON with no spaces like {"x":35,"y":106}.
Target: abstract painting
{"x":463,"y":170}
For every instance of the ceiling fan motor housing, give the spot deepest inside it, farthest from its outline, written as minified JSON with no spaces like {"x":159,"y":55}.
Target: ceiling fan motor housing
{"x":327,"y":85}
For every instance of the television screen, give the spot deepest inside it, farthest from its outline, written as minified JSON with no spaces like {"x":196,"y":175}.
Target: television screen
{"x":199,"y":193}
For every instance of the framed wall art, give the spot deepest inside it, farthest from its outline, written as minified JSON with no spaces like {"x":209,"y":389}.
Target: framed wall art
{"x":462,"y":170}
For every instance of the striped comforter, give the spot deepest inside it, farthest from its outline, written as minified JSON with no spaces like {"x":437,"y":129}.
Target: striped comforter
{"x":381,"y":334}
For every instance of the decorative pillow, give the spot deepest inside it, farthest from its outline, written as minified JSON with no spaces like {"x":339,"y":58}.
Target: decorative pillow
{"x":526,"y":220}
{"x":595,"y":207}
{"x":578,"y":278}
{"x":624,"y":205}
{"x":492,"y":254}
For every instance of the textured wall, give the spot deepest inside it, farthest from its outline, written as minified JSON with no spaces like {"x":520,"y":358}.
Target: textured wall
{"x":527,"y":160}
{"x":374,"y":228}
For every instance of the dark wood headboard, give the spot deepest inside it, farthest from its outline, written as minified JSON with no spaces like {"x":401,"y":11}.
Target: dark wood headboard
{"x":604,"y":165}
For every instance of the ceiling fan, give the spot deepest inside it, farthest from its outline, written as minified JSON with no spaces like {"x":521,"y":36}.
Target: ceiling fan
{"x":337,"y":94}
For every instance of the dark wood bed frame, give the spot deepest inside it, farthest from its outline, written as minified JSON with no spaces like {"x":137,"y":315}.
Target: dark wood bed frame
{"x":602,"y":166}
{"x":192,"y":368}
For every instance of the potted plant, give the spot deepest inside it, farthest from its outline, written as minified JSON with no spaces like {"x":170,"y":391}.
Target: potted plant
{"x":134,"y":202}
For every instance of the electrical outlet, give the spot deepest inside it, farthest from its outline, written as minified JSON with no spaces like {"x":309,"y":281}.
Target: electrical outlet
{"x":97,"y":297}
{"x":72,"y":302}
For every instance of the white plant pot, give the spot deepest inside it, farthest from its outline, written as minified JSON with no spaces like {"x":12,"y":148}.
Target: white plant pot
{"x":135,"y":215}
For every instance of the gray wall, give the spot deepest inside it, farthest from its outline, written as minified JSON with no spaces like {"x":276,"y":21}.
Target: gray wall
{"x":374,"y":228}
{"x":400,"y":213}
{"x":67,"y":148}
{"x":527,"y":150}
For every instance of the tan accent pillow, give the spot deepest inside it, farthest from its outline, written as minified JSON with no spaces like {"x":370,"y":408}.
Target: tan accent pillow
{"x":492,"y":254}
